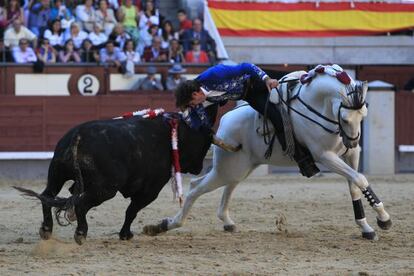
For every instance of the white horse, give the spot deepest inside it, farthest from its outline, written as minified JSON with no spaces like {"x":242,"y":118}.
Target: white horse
{"x":329,"y":126}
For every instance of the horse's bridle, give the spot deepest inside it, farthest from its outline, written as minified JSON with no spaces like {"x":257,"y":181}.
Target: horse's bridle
{"x":342,"y":132}
{"x":340,"y":129}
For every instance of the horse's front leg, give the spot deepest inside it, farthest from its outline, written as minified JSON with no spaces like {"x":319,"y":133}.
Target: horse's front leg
{"x":352,"y":159}
{"x":335,"y":164}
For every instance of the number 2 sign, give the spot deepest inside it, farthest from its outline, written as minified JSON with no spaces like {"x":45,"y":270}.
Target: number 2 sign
{"x":88,"y":85}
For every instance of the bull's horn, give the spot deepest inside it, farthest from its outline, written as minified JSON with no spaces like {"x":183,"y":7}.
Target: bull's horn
{"x":220,"y":143}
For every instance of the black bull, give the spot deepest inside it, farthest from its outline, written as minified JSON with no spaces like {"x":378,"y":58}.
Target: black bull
{"x":132,"y":156}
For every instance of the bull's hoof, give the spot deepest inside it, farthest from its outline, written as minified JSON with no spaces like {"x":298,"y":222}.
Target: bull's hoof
{"x":372,"y":236}
{"x":153,"y":230}
{"x":44,"y":233}
{"x":126,"y":236}
{"x":79,"y":237}
{"x":384,"y":225}
{"x":230,"y":228}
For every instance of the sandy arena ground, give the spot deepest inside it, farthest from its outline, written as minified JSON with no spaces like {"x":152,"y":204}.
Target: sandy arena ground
{"x":318,"y":236}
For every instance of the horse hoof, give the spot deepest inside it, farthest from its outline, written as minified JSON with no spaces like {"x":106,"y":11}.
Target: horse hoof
{"x":372,"y":236}
{"x":384,"y":225}
{"x":153,"y":230}
{"x":80,"y":238}
{"x":230,"y":228}
{"x":44,"y":234}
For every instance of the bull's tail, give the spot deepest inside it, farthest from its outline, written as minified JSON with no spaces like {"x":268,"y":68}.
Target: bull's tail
{"x":78,"y":187}
{"x":58,"y":202}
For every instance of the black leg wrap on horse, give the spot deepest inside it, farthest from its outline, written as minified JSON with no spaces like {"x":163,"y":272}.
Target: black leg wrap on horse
{"x":358,"y":209}
{"x":371,"y":196}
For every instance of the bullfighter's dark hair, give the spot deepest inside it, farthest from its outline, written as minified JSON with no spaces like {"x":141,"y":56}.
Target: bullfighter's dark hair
{"x":184,"y":91}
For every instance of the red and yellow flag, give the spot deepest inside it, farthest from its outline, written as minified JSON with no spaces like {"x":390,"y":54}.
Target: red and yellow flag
{"x":309,"y":19}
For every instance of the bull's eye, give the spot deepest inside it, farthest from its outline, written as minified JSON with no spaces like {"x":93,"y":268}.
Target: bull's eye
{"x":345,"y":121}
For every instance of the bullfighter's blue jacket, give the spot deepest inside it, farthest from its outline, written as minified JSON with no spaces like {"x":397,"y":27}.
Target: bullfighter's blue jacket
{"x":221,"y":83}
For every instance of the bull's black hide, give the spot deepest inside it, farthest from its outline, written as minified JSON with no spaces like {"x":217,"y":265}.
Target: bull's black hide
{"x":132,"y":156}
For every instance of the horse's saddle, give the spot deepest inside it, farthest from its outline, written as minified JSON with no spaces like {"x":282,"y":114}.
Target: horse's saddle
{"x":287,"y":90}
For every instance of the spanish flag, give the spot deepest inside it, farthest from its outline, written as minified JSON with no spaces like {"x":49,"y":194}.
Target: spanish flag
{"x":310,"y":19}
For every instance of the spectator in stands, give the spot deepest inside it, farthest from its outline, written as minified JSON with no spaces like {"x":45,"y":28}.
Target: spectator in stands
{"x":5,"y":55}
{"x":196,"y":55}
{"x":97,"y":37}
{"x":144,"y":3}
{"x":13,"y":12}
{"x":23,"y":53}
{"x":130,"y":52}
{"x":197,"y":32}
{"x":150,"y":82}
{"x":155,"y":53}
{"x":185,"y":23}
{"x":60,"y":12}
{"x":128,"y":15}
{"x":76,"y":35}
{"x":69,"y":53}
{"x":45,"y":52}
{"x":149,"y":16}
{"x":175,"y":52}
{"x":13,"y":35}
{"x":112,"y":56}
{"x":113,"y":4}
{"x":3,"y":19}
{"x":132,"y":57}
{"x":105,"y":17}
{"x":55,"y":34}
{"x":86,"y":15}
{"x":174,"y":78}
{"x":146,"y":37}
{"x":88,"y":53}
{"x":119,"y":36}
{"x":167,"y":34}
{"x":39,"y":17}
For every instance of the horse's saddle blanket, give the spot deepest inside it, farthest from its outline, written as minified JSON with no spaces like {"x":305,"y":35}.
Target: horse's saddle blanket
{"x":287,"y":91}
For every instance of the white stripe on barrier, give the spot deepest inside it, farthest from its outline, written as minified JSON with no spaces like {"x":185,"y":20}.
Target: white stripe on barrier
{"x":406,"y":148}
{"x":26,"y":155}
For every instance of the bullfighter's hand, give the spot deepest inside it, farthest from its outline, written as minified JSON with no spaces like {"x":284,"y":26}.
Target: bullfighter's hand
{"x":271,"y":83}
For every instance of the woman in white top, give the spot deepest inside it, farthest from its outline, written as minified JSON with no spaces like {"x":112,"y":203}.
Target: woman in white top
{"x":150,"y":16}
{"x":97,"y":37}
{"x":76,"y":35}
{"x":130,"y":52}
{"x":55,"y":34}
{"x":105,"y":17}
{"x":167,"y":34}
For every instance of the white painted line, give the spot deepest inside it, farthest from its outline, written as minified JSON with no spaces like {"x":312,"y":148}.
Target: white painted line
{"x":26,"y":155}
{"x":406,"y":148}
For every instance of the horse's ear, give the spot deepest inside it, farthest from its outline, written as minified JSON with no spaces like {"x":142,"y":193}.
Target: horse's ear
{"x":364,"y":88}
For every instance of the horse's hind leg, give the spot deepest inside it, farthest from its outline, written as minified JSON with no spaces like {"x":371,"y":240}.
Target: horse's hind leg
{"x":352,"y":159}
{"x":223,"y":210}
{"x":201,"y":185}
{"x":56,"y":179}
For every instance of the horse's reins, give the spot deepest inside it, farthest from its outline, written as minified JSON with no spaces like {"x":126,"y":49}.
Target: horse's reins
{"x":266,"y":130}
{"x":311,"y":109}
